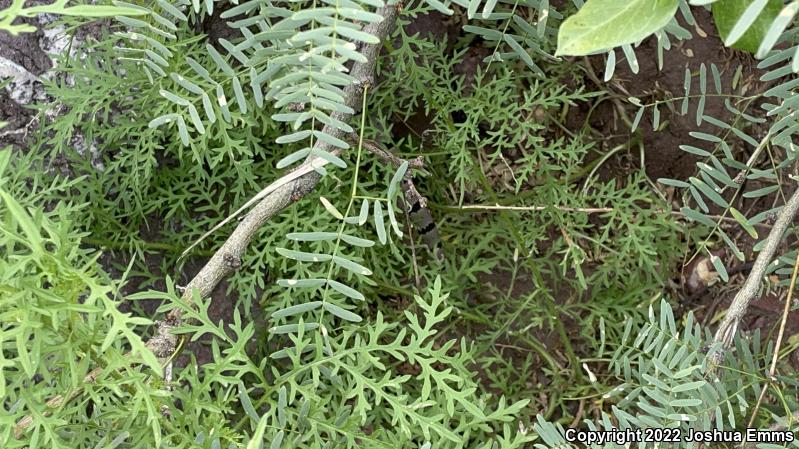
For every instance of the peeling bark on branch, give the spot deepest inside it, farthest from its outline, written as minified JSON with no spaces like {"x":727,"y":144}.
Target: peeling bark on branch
{"x":216,"y":269}
{"x":725,"y":334}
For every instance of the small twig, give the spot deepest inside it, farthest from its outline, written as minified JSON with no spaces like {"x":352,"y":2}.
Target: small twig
{"x":477,"y":207}
{"x":773,"y":369}
{"x":417,"y":278}
{"x":724,"y":218}
{"x":725,"y":334}
{"x":387,"y":156}
{"x":579,"y":415}
{"x":390,"y":158}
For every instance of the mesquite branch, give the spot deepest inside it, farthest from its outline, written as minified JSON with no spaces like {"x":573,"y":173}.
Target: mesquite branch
{"x":729,"y":326}
{"x":227,"y":259}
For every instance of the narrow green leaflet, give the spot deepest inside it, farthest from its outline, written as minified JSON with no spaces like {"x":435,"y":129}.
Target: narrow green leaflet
{"x":293,"y":328}
{"x":522,"y":53}
{"x":719,"y":266}
{"x":25,"y":222}
{"x":739,"y":217}
{"x":277,"y":441}
{"x":303,"y":256}
{"x":364,"y":213}
{"x":696,"y":216}
{"x":342,"y":313}
{"x":345,"y":290}
{"x":393,"y":219}
{"x":605,"y":24}
{"x":711,"y":194}
{"x":776,"y":29}
{"x":311,"y":236}
{"x":673,"y":182}
{"x":396,"y":179}
{"x":357,"y":241}
{"x":246,"y":403}
{"x":331,"y":208}
{"x":158,"y":121}
{"x":301,"y":283}
{"x":351,"y":266}
{"x":257,"y":439}
{"x":761,"y":192}
{"x":297,"y":309}
{"x":380,"y":226}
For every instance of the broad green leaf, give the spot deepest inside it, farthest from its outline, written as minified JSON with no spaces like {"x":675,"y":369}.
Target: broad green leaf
{"x":605,"y":24}
{"x":776,"y":28}
{"x":743,"y":24}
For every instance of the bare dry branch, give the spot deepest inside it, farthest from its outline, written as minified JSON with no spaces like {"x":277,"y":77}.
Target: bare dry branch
{"x":725,"y":334}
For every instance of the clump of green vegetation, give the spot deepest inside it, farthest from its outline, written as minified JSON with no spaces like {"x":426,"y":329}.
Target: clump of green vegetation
{"x":447,"y":251}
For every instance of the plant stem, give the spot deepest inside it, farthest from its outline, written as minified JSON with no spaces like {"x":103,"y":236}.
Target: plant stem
{"x":725,"y":334}
{"x":773,"y":370}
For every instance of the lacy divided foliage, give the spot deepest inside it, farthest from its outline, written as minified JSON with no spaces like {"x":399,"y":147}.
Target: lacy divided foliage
{"x":190,"y":127}
{"x":62,"y":317}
